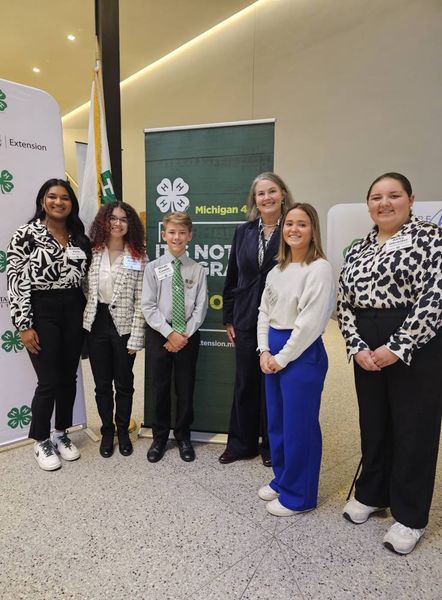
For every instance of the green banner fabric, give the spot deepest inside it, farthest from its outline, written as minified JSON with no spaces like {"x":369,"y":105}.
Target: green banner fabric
{"x":206,"y":171}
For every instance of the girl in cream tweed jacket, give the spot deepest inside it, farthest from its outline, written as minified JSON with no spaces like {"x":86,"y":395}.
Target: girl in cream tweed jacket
{"x":113,"y":317}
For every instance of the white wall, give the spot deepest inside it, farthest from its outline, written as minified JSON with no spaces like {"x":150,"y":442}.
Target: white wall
{"x":355,"y":86}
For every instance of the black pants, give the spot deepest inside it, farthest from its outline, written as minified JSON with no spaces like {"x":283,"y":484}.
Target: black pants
{"x":248,"y":417}
{"x":400,"y":414}
{"x":58,"y":321}
{"x":111,"y":364}
{"x":160,"y":363}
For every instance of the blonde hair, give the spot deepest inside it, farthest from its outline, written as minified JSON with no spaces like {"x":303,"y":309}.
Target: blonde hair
{"x":179,"y":218}
{"x":252,"y":211}
{"x":315,"y":251}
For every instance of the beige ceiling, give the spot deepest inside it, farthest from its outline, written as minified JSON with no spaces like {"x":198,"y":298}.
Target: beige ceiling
{"x":34,"y":35}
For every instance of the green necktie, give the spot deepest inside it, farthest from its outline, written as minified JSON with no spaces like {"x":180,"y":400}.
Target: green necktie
{"x":178,"y":309}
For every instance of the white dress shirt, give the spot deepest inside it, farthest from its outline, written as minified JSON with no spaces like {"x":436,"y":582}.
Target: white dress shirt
{"x":156,"y":298}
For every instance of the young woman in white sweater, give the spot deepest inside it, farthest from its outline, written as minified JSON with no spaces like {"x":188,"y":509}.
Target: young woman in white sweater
{"x":296,"y":305}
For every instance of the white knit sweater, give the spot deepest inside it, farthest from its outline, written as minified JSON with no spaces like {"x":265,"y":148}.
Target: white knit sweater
{"x":300,"y":298}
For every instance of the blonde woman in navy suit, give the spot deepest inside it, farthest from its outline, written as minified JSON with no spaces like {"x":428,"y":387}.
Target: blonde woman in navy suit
{"x":254,"y":248}
{"x":113,"y":317}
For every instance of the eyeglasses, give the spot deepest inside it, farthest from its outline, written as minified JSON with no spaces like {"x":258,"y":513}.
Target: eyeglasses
{"x":121,"y":220}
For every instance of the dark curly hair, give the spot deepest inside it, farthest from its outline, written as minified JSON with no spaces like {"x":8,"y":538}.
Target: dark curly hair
{"x":134,"y":238}
{"x":73,"y":222}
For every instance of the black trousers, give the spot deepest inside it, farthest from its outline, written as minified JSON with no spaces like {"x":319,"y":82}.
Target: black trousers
{"x":160,"y":364}
{"x":248,"y":417}
{"x":400,"y":416}
{"x":111,"y":365}
{"x":58,"y":321}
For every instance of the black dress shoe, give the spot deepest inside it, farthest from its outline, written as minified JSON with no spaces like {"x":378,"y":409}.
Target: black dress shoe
{"x":187,"y":452}
{"x":266,"y":460}
{"x":107,"y":446}
{"x":228,"y":457}
{"x":156,"y":451}
{"x":265,"y":457}
{"x":125,"y":445}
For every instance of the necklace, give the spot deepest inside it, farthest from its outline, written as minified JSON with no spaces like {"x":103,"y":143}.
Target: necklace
{"x":270,"y":225}
{"x":62,"y":237}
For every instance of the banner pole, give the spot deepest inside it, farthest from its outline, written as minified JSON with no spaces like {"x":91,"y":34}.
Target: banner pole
{"x":107,"y":27}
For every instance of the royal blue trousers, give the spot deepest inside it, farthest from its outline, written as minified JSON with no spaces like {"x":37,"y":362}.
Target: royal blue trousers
{"x":293,"y":400}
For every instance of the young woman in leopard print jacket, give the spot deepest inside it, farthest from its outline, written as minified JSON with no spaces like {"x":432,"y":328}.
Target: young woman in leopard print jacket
{"x":390,"y":314}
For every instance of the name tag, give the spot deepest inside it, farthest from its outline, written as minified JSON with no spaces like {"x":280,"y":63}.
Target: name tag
{"x":132,"y":263}
{"x":399,"y":242}
{"x":164,"y":271}
{"x":75,"y":253}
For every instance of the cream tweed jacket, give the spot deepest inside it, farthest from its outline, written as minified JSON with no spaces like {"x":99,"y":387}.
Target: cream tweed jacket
{"x":125,"y":308}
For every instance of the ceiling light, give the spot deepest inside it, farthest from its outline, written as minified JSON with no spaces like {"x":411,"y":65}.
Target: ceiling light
{"x":71,"y":37}
{"x":173,"y":53}
{"x":36,"y":70}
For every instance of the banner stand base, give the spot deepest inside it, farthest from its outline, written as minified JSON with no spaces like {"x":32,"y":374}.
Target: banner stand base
{"x":15,"y":445}
{"x":91,"y":434}
{"x":196,"y":436}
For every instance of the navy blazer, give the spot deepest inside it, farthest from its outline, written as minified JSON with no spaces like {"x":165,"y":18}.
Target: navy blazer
{"x":245,"y":280}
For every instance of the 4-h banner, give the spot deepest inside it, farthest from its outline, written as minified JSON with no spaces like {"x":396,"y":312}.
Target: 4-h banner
{"x":206,"y":170}
{"x":31,"y":151}
{"x":96,"y":185}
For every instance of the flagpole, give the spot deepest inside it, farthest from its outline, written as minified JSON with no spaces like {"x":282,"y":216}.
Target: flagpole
{"x":107,"y":31}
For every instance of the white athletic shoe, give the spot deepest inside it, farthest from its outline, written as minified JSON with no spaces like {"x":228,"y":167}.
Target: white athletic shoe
{"x":267,"y":493}
{"x":402,"y":539}
{"x":358,"y":513}
{"x":44,"y":454}
{"x":65,"y":447}
{"x":278,"y":510}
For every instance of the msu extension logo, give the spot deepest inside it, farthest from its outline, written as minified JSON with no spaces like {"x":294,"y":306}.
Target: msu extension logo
{"x":172,"y":196}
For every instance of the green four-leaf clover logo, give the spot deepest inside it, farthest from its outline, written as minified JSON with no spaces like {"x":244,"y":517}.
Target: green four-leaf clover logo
{"x":6,"y":184}
{"x":3,"y":261}
{"x":3,"y":104}
{"x":350,"y":246}
{"x":19,"y":416}
{"x":12,"y":341}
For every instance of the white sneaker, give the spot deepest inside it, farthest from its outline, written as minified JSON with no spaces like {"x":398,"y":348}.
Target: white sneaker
{"x":278,"y":510}
{"x":44,"y":454}
{"x":358,"y":513}
{"x":402,"y":539}
{"x":267,"y":493}
{"x":65,"y":447}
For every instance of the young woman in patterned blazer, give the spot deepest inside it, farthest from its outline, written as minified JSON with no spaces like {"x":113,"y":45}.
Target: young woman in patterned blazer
{"x":390,"y":314}
{"x":47,"y":262}
{"x":113,"y":317}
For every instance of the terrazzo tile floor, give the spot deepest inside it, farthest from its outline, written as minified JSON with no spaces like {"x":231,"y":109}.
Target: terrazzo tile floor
{"x":123,"y":528}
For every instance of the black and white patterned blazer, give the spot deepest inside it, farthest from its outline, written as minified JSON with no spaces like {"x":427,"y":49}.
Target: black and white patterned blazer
{"x":374,"y":276}
{"x":36,"y":261}
{"x":125,"y":307}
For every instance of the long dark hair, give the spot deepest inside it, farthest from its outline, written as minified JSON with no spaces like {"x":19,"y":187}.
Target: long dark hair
{"x":73,"y":222}
{"x":134,"y":238}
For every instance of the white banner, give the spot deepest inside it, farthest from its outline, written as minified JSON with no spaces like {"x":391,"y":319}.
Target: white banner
{"x":31,"y":151}
{"x":349,"y":222}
